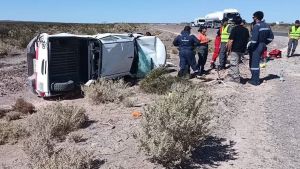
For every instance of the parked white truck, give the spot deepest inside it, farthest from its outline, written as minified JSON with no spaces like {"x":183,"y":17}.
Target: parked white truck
{"x":198,"y":22}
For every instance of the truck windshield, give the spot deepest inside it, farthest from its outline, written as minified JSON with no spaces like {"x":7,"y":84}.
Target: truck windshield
{"x":231,"y":15}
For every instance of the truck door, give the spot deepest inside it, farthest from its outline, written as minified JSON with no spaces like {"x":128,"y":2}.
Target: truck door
{"x":117,"y":56}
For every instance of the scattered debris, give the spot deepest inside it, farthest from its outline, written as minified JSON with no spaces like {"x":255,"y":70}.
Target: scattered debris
{"x":136,"y":114}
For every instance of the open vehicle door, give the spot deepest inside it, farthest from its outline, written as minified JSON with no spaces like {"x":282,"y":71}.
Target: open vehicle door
{"x":151,"y":54}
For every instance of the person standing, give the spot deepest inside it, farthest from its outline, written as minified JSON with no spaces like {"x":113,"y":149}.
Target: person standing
{"x":294,"y":36}
{"x":202,"y":49}
{"x":226,"y":29}
{"x":237,"y":46}
{"x":262,"y":35}
{"x":217,"y":49}
{"x":186,"y":44}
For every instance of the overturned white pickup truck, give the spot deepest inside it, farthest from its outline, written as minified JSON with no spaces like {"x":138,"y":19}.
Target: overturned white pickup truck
{"x":58,"y":63}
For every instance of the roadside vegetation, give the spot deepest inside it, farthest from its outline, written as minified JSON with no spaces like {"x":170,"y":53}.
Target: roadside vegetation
{"x":158,"y":82}
{"x":43,"y":134}
{"x":14,"y":37}
{"x":48,"y":128}
{"x":106,"y":91}
{"x":177,"y":123}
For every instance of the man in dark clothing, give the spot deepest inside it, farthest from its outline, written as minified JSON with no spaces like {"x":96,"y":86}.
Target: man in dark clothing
{"x":262,"y":35}
{"x":237,"y":46}
{"x":186,"y":44}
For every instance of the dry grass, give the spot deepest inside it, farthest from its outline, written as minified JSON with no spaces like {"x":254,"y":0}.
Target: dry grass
{"x":13,"y":116}
{"x":57,"y":120}
{"x":174,"y":51}
{"x":43,"y":154}
{"x":4,"y":111}
{"x":11,"y":133}
{"x":157,"y":82}
{"x":105,"y":91}
{"x":75,"y":138}
{"x":23,"y":106}
{"x":175,"y":124}
{"x":129,"y":102}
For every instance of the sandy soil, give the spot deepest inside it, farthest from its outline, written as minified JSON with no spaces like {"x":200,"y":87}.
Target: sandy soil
{"x":257,"y":127}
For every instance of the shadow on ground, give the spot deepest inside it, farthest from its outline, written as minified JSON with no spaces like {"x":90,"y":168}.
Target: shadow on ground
{"x":295,"y":55}
{"x":214,"y":151}
{"x":267,"y":78}
{"x":270,"y":77}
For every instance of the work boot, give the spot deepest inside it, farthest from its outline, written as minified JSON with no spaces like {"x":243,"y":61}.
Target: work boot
{"x":221,"y":67}
{"x":293,"y":52}
{"x":212,"y":65}
{"x":254,"y":83}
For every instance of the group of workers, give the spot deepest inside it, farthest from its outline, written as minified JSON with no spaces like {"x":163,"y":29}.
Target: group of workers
{"x":233,"y":39}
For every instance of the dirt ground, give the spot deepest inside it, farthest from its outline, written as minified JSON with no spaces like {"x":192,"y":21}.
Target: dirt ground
{"x":257,"y":127}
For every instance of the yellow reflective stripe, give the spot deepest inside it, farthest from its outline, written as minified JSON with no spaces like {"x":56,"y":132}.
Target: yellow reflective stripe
{"x":225,"y":34}
{"x":295,"y":34}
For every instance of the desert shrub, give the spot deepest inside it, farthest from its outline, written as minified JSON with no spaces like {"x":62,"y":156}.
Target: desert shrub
{"x":57,"y":120}
{"x":23,"y":106}
{"x":157,"y":82}
{"x":11,"y":133}
{"x":75,"y":138}
{"x":105,"y":91}
{"x":174,"y":51}
{"x":5,"y":49}
{"x":4,"y":111}
{"x":175,"y":124}
{"x":129,"y":102}
{"x":43,"y":155}
{"x":13,"y":116}
{"x":125,"y":27}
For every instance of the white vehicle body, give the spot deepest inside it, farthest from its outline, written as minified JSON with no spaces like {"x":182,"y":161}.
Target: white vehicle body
{"x":220,"y":15}
{"x":199,"y":21}
{"x":60,"y":62}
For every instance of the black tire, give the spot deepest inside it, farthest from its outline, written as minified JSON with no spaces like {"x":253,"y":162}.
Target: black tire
{"x":63,"y":87}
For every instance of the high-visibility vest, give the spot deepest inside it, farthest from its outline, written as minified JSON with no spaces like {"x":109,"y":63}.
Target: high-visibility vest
{"x":225,"y":34}
{"x":295,"y":33}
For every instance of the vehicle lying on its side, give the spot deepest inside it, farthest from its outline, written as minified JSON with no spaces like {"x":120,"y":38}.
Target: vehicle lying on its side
{"x":58,"y":63}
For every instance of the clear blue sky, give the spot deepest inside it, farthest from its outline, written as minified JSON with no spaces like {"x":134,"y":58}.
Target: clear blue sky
{"x":171,"y":11}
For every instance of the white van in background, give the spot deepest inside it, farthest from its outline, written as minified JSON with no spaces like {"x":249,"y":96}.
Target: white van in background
{"x":59,"y":63}
{"x":198,"y":22}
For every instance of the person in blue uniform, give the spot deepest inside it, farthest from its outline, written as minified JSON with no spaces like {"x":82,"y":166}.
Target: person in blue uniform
{"x":262,"y":35}
{"x":186,"y":44}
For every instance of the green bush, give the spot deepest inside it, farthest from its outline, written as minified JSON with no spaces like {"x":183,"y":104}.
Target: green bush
{"x":175,"y":124}
{"x":157,"y":82}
